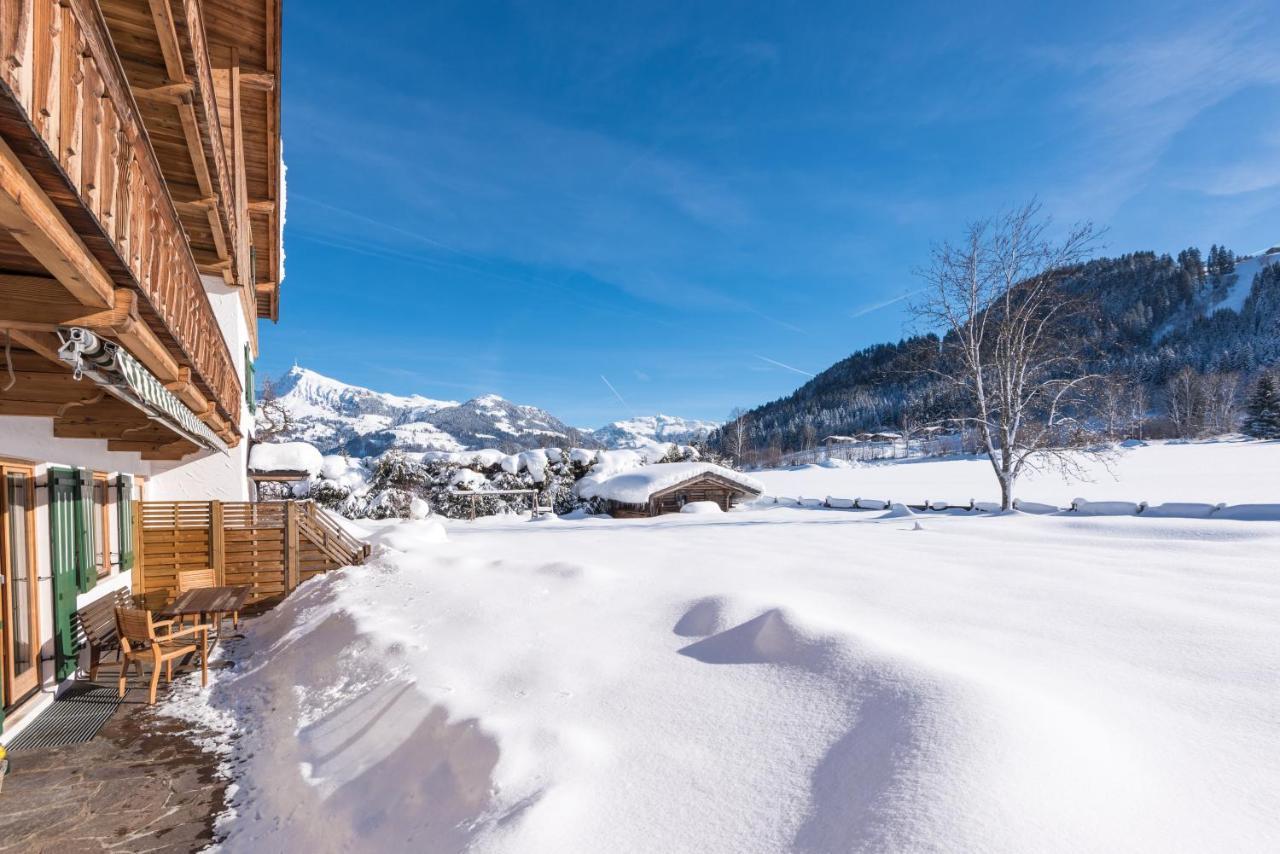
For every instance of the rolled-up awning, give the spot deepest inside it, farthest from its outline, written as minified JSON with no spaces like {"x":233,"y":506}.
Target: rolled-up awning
{"x":112,"y":367}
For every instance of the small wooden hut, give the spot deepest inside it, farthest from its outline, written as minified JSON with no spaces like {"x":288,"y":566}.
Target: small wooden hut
{"x":667,"y":487}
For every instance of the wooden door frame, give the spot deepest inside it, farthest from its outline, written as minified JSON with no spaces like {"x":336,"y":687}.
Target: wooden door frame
{"x":16,"y":691}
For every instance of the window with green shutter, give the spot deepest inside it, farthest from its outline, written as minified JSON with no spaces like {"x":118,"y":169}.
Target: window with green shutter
{"x":71,"y":551}
{"x":249,"y":371}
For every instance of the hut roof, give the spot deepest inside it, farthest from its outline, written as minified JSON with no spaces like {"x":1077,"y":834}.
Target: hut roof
{"x":286,"y":457}
{"x":638,"y":485}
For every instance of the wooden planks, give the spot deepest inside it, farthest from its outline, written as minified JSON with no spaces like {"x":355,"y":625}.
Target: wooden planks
{"x":269,"y":547}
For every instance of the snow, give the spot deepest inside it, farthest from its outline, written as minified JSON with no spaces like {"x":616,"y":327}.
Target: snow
{"x":1244,"y":272}
{"x":1234,"y":472}
{"x":701,"y":507}
{"x":635,"y":486}
{"x":346,"y":471}
{"x":286,"y":456}
{"x":796,"y":680}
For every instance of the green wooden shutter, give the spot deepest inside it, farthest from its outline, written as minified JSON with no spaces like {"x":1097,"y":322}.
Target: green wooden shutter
{"x":250,"y":397}
{"x":124,"y":520}
{"x":65,"y":519}
{"x":87,"y":546}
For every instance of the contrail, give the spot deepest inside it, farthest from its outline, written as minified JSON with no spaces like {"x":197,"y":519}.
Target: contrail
{"x":782,"y":365}
{"x":876,"y":306}
{"x":620,"y":398}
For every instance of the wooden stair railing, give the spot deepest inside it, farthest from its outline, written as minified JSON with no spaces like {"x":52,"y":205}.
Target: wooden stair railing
{"x":316,"y":525}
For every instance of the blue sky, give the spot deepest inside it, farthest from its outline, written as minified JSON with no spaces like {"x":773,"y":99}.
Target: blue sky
{"x":702,"y":202}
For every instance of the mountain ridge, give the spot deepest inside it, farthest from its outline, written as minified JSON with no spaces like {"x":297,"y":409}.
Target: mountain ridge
{"x":339,"y":417}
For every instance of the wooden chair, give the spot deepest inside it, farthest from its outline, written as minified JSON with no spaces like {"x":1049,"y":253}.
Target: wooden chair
{"x":139,"y":640}
{"x":98,"y":625}
{"x":192,"y":579}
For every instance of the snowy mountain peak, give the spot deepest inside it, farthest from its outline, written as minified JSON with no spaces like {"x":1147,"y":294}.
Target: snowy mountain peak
{"x":337,"y":416}
{"x":647,"y":429}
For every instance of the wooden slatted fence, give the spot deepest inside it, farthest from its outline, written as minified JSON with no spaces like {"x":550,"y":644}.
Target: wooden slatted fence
{"x":271,"y":547}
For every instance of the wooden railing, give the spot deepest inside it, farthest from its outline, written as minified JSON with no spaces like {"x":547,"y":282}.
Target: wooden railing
{"x":270,"y":547}
{"x":60,"y":68}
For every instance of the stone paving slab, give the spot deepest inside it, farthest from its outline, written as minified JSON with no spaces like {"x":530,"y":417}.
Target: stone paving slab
{"x":140,"y":785}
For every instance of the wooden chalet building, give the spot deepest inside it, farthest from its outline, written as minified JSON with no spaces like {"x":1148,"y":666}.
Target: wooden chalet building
{"x":667,"y":487}
{"x":141,"y":199}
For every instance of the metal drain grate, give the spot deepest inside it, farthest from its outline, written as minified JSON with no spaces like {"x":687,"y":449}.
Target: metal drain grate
{"x":74,"y":717}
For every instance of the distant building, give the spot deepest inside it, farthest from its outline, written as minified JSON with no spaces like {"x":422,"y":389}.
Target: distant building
{"x":667,"y":487}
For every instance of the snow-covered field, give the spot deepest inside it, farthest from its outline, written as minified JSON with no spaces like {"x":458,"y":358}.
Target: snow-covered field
{"x":767,"y":680}
{"x":1234,"y":472}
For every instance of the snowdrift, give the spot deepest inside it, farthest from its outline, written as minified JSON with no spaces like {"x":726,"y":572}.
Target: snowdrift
{"x":1004,"y":684}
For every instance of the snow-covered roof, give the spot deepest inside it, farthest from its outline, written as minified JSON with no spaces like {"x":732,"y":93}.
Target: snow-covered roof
{"x":637,"y":485}
{"x":286,"y":456}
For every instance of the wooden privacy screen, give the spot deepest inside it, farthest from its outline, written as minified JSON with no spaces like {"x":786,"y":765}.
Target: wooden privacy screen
{"x":271,"y":547}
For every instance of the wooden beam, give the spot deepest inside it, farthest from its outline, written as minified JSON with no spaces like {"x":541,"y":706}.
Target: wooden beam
{"x":216,"y":268}
{"x":44,"y":343}
{"x":265,"y":206}
{"x":162,"y":16}
{"x":170,"y":93}
{"x":197,"y":206}
{"x":33,"y":220}
{"x":262,"y":81}
{"x":38,"y":304}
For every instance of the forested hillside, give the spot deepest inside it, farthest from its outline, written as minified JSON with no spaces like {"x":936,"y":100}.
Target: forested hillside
{"x":1178,"y":341}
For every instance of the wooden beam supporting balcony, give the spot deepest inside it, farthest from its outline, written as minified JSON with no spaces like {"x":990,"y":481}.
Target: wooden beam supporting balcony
{"x":28,"y":214}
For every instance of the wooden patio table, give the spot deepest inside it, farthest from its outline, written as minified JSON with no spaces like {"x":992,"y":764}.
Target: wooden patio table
{"x":208,"y":600}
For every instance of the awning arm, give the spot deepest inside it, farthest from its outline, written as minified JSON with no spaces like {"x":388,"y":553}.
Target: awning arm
{"x":118,"y":372}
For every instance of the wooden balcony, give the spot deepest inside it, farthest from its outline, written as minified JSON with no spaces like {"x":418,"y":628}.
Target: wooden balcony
{"x":85,"y":200}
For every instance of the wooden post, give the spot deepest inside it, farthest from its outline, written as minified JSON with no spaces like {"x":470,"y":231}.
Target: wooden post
{"x":217,"y":543}
{"x":139,"y":552}
{"x":290,"y":546}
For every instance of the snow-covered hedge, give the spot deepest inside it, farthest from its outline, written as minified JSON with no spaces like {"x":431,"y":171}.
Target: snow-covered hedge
{"x":388,"y":486}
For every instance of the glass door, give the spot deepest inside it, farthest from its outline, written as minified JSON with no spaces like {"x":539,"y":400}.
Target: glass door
{"x":20,"y":591}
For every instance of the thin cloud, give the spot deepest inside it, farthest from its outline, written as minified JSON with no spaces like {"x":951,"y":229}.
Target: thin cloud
{"x":783,"y":365}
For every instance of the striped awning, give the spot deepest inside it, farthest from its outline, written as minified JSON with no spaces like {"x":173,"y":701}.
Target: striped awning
{"x":116,"y":370}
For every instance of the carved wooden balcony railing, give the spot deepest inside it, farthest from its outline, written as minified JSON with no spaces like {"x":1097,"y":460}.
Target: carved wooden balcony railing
{"x":59,"y":66}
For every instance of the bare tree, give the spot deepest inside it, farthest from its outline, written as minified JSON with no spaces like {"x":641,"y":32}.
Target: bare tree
{"x":1185,"y":399}
{"x":997,"y":298}
{"x":274,"y":419}
{"x":736,"y":433}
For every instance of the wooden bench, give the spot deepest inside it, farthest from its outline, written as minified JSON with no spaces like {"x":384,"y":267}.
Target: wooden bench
{"x":97,"y":623}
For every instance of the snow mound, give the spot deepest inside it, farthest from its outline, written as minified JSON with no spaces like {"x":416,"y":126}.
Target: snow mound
{"x":1181,"y":510}
{"x":1250,"y":512}
{"x":770,"y":638}
{"x":898,"y":511}
{"x":704,"y":617}
{"x":286,"y":456}
{"x":842,"y":503}
{"x":1103,"y":508}
{"x":702,"y":507}
{"x":412,"y":535}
